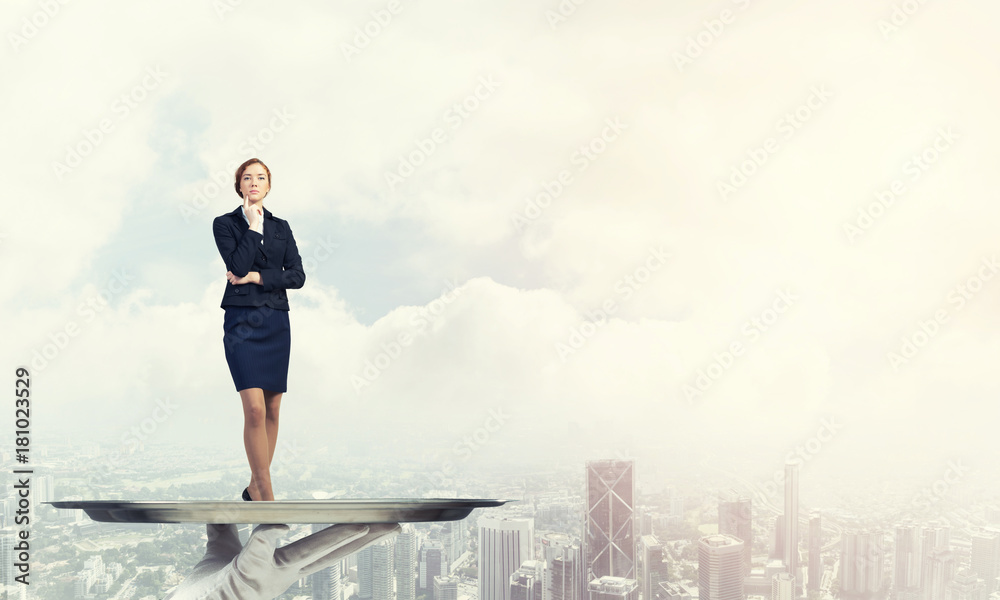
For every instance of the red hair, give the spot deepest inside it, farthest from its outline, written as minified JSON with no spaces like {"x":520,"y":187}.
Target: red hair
{"x":243,"y":167}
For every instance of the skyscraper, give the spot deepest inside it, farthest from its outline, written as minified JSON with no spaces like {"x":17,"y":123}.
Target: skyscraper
{"x":815,"y":549}
{"x":431,"y":564}
{"x":939,"y":573}
{"x":908,"y":561}
{"x":720,"y":568}
{"x":782,"y":586}
{"x":406,"y":563}
{"x":778,"y":541}
{"x":564,"y":578}
{"x":791,"y":531}
{"x":503,"y":545}
{"x":528,"y":581}
{"x":861,"y":559}
{"x":610,"y":535}
{"x":967,"y":586}
{"x":986,"y":557}
{"x":325,"y":582}
{"x":654,"y":569}
{"x":376,"y":572}
{"x":735,"y":519}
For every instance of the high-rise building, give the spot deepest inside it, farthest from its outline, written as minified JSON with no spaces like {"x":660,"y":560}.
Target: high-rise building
{"x":653,"y":568}
{"x":432,"y":563}
{"x":668,"y":590}
{"x":405,"y":560}
{"x":720,"y":568}
{"x":791,"y":530}
{"x":504,"y":544}
{"x":610,"y":522}
{"x":986,"y":557}
{"x":966,"y":585}
{"x":938,"y":574}
{"x":326,"y":582}
{"x":613,"y":588}
{"x":527,"y":582}
{"x":445,"y":587}
{"x":815,"y":551}
{"x":908,"y":561}
{"x":861,"y":557}
{"x":376,"y":572}
{"x":778,"y":539}
{"x":782,"y":586}
{"x":564,"y":578}
{"x":7,"y":542}
{"x":735,"y":519}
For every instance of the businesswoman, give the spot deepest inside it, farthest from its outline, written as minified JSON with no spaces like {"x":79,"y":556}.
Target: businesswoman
{"x":262,"y":262}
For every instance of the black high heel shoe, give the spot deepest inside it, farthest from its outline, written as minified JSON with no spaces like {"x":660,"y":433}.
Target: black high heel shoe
{"x":246,"y":494}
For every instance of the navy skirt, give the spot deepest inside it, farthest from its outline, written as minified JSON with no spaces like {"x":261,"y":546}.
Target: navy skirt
{"x":258,"y":342}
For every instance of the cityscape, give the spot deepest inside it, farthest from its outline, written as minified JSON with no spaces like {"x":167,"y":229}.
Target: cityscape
{"x":593,"y":532}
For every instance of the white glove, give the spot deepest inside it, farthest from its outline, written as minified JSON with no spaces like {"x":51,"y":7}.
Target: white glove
{"x":260,"y":570}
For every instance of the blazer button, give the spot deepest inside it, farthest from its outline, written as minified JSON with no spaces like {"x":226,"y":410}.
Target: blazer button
{"x":237,"y":291}
{"x":263,"y":258}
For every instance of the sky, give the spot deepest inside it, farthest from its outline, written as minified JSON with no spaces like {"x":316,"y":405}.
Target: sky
{"x":629,"y":229}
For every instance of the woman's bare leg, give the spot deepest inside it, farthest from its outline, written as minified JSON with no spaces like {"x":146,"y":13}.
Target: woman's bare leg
{"x":272,"y":404}
{"x":255,"y":439}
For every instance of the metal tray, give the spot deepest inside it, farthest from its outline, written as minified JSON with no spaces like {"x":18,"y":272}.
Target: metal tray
{"x":385,"y":510}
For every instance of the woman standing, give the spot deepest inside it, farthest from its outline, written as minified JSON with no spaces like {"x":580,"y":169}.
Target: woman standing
{"x":262,"y":262}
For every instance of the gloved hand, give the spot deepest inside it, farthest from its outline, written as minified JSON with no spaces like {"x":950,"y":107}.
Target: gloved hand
{"x":262,"y":571}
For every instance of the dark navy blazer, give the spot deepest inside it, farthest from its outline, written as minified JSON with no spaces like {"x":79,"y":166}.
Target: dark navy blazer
{"x":277,"y":260}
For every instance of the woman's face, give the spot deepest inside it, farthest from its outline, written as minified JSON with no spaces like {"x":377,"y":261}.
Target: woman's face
{"x":254,"y":183}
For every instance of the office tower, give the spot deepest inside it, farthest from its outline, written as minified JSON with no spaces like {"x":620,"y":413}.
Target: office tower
{"x":939,"y":573}
{"x":791,"y":531}
{"x":376,"y":572}
{"x":504,"y":544}
{"x":936,"y":562}
{"x":986,"y":556}
{"x":527,"y":582}
{"x":431,"y":564}
{"x":908,"y":562}
{"x":815,"y":550}
{"x":564,"y":568}
{"x":782,"y":586}
{"x":654,"y":569}
{"x":735,"y":520}
{"x":720,"y":568}
{"x":445,"y":587}
{"x":325,"y":583}
{"x":861,"y":559}
{"x":966,"y":585}
{"x":778,"y":539}
{"x":610,"y":536}
{"x":406,"y":563}
{"x":451,"y":542}
{"x":613,"y":588}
